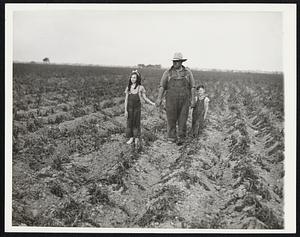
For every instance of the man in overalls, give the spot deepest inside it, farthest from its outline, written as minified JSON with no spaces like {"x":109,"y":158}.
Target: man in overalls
{"x":179,"y":85}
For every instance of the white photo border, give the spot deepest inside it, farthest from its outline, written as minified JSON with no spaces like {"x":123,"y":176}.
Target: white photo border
{"x":290,"y":94}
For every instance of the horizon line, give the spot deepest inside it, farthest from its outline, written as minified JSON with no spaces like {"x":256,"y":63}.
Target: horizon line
{"x":136,"y":66}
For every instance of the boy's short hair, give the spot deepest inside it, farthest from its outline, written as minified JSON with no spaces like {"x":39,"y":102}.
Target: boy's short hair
{"x":200,"y":86}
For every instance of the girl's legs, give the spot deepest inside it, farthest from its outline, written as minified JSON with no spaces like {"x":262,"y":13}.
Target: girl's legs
{"x":129,"y":130}
{"x":130,"y":122}
{"x":137,"y":124}
{"x":134,"y":119}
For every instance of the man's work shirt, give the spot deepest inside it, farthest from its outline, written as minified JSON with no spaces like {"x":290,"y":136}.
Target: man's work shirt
{"x":184,"y":73}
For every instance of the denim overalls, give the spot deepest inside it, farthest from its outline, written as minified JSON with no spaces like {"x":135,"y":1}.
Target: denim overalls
{"x":177,"y":102}
{"x":198,"y":117}
{"x":134,"y":115}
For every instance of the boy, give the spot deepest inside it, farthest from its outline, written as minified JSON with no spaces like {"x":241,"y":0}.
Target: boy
{"x":199,"y":111}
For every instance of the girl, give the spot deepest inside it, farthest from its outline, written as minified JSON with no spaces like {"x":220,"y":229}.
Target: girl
{"x":199,"y":111}
{"x":133,"y":94}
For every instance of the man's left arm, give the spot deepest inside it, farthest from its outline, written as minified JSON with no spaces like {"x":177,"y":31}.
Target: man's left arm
{"x":192,"y":84}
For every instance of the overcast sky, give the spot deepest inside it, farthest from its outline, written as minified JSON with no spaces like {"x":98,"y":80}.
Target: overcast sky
{"x":220,"y":40}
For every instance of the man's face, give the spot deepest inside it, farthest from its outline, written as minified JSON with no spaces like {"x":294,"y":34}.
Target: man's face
{"x":177,"y":64}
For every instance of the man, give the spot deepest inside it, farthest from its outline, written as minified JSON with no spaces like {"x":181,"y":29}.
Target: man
{"x":179,"y":85}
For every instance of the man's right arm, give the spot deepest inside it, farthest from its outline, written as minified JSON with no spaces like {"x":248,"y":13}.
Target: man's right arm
{"x":126,"y":102}
{"x":162,"y":87}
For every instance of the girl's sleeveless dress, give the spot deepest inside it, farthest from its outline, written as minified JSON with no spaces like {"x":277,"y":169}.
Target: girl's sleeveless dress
{"x":134,"y":115}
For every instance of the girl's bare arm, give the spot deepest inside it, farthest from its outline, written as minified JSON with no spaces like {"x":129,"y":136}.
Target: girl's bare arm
{"x":143,"y":92}
{"x":126,"y":101}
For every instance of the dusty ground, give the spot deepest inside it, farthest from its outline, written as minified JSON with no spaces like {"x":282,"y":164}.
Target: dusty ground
{"x":74,"y":168}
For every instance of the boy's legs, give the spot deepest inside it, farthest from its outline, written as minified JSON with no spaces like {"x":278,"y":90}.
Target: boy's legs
{"x":201,"y":123}
{"x":195,"y":123}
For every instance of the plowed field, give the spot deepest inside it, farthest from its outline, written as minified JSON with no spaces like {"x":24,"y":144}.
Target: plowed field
{"x":72,"y":166}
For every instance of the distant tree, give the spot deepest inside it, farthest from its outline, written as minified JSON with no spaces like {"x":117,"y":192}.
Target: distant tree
{"x":156,"y":66}
{"x":141,"y":65}
{"x":46,"y":60}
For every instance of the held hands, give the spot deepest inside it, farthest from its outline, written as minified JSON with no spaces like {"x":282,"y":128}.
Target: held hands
{"x":158,"y":102}
{"x":149,"y":102}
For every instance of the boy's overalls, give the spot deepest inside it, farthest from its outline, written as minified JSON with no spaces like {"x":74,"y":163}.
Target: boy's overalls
{"x":198,"y":117}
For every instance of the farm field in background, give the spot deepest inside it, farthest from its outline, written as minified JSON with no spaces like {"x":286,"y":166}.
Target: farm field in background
{"x":72,"y":166}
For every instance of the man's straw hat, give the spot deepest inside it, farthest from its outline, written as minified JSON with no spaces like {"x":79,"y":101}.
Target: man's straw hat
{"x":178,"y":57}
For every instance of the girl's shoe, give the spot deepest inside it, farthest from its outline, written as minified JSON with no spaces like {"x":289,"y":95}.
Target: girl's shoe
{"x":130,"y":140}
{"x":171,"y":140}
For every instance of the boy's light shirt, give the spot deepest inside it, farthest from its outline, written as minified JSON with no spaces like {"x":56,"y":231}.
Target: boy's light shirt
{"x":206,"y":99}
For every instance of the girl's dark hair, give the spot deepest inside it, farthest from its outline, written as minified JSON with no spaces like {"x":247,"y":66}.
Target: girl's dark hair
{"x":138,"y":79}
{"x":200,"y":86}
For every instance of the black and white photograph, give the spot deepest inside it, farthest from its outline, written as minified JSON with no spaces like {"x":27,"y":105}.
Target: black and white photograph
{"x":150,"y":118}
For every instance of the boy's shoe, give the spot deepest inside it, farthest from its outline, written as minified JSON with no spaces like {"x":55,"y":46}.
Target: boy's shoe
{"x":130,"y":141}
{"x":180,"y":141}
